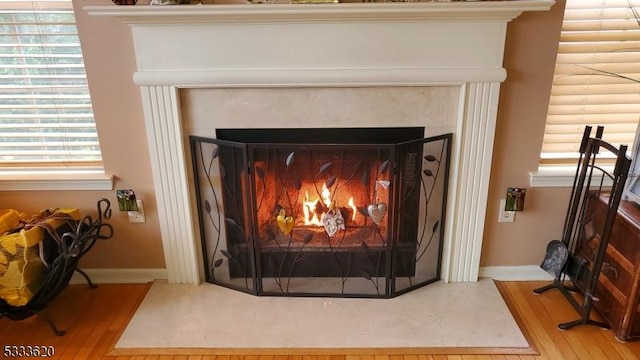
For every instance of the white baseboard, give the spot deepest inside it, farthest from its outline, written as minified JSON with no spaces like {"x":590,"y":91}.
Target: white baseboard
{"x":120,"y":276}
{"x":515,"y":273}
{"x":129,"y":276}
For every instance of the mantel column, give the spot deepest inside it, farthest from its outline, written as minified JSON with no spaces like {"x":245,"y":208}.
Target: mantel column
{"x":469,"y":186}
{"x":164,"y":134}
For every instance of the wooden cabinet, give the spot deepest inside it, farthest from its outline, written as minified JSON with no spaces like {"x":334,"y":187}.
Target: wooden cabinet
{"x":617,"y":294}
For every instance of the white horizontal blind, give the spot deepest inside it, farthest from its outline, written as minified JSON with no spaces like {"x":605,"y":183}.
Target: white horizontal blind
{"x":46,"y":118}
{"x":597,"y":77}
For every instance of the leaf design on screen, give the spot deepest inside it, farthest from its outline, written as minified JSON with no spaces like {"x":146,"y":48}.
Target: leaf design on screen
{"x":330,"y":181}
{"x":290,"y":158}
{"x":307,"y":238}
{"x":365,"y":275}
{"x":383,"y":167}
{"x":324,"y":168}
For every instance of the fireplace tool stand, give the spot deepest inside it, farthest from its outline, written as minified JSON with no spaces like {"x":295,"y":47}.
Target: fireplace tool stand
{"x":574,"y":273}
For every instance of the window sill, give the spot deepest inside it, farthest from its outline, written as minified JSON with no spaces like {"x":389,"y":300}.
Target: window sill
{"x":552,"y":177}
{"x":55,"y":180}
{"x":557,"y":177}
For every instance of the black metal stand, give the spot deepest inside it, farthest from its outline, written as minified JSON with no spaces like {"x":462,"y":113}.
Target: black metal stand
{"x":568,"y":291}
{"x":52,"y":325}
{"x":87,"y":278}
{"x":79,"y":238}
{"x":580,"y":275}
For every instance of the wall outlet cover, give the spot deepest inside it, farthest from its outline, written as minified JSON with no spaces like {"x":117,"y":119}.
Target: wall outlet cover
{"x":504,"y":215}
{"x":138,"y":215}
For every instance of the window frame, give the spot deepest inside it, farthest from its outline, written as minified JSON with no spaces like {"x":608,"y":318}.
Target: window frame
{"x":561,"y":173}
{"x":25,"y":176}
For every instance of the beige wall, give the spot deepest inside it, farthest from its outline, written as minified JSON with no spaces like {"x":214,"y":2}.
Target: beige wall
{"x":110,"y":62}
{"x":530,"y":56}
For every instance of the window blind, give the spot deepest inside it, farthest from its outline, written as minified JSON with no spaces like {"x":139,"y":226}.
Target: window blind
{"x":46,"y":118}
{"x":596,"y":79}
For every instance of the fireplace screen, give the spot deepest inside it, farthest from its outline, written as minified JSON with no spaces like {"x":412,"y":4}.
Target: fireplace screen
{"x":322,"y":212}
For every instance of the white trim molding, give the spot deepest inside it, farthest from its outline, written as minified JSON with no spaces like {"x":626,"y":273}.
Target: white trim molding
{"x":164,"y":134}
{"x":132,"y":276}
{"x":312,"y":46}
{"x":560,"y":176}
{"x":296,"y":13}
{"x":552,"y":177}
{"x":515,"y":273}
{"x":46,"y":181}
{"x":120,"y":276}
{"x":278,"y":78}
{"x":470,"y":175}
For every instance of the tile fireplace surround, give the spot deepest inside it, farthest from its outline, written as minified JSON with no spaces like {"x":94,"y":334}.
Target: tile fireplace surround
{"x":244,"y":61}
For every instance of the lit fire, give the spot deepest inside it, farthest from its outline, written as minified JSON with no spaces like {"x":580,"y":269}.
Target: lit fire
{"x":311,"y":216}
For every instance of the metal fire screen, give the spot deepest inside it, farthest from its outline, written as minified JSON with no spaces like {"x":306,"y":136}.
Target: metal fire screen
{"x":322,"y":212}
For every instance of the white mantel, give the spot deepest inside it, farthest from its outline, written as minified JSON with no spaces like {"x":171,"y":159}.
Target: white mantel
{"x":320,"y":46}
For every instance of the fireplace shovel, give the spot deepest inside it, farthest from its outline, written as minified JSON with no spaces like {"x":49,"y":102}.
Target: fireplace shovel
{"x":557,"y":257}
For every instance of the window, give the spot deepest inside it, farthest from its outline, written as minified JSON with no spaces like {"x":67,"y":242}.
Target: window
{"x":46,"y":118}
{"x":597,"y":78}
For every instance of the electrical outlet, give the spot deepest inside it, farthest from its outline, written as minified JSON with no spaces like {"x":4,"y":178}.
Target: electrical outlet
{"x":137,"y":216}
{"x":505,"y":216}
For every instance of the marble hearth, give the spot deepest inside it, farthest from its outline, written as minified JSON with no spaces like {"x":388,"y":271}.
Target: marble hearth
{"x":436,"y":65}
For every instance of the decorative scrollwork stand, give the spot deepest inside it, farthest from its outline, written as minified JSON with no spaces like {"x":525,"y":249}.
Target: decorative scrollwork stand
{"x":65,"y":251}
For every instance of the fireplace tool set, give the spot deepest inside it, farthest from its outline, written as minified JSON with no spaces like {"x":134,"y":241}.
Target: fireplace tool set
{"x":577,"y":260}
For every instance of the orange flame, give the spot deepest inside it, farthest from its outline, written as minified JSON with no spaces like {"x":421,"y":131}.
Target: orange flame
{"x":311,"y":216}
{"x":353,"y":207}
{"x":309,"y":211}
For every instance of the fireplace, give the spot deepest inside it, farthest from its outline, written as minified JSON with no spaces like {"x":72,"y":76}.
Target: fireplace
{"x":312,"y":48}
{"x":326,"y":212}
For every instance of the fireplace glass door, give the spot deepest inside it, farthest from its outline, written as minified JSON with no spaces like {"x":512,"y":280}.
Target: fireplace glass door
{"x":321,"y":212}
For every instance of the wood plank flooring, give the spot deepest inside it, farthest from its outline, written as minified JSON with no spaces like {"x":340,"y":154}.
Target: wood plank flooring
{"x":94,"y":319}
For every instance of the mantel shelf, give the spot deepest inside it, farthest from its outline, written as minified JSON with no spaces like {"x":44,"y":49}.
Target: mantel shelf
{"x":386,"y":11}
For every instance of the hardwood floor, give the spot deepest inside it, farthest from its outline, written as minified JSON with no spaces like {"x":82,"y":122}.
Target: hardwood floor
{"x":95,"y":318}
